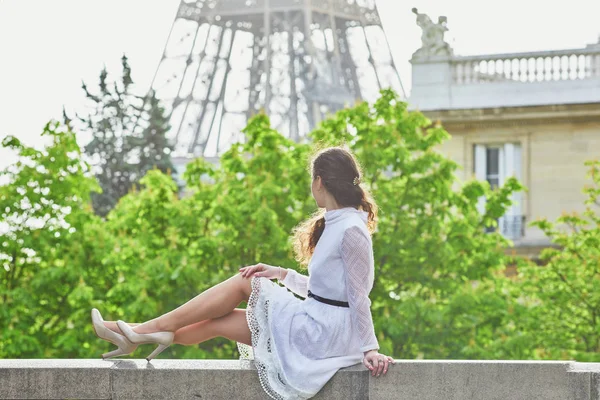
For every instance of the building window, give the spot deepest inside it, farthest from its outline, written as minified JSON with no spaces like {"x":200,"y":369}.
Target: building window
{"x":495,"y":164}
{"x":492,"y":163}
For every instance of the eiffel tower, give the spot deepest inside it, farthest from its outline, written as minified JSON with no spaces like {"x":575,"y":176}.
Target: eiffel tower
{"x":298,"y":60}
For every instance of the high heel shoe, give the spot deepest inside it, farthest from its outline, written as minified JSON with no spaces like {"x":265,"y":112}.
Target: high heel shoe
{"x":123,"y":344}
{"x":163,"y":339}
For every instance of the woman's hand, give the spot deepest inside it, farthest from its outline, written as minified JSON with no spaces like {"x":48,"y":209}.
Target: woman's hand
{"x":261,"y":269}
{"x":377,"y":362}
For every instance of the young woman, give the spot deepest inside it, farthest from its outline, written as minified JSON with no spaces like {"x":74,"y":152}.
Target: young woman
{"x":297,"y":345}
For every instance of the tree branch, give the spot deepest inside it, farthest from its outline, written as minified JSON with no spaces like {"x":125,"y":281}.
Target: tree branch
{"x":573,"y":290}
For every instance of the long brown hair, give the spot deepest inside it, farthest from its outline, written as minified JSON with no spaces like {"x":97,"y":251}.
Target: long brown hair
{"x":337,"y":168}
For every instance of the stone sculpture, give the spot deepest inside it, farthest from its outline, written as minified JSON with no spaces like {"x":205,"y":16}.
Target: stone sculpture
{"x":432,"y":37}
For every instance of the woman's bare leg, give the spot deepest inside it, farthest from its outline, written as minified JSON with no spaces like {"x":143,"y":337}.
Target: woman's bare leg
{"x":232,"y":326}
{"x":214,"y":302}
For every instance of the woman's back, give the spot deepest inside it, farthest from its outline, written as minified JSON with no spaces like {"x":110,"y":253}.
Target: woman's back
{"x":310,"y":340}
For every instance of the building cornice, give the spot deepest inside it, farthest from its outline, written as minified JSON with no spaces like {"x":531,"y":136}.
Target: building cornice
{"x":516,"y":116}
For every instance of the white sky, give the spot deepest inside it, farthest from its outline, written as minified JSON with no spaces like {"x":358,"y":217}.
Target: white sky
{"x":47,"y":47}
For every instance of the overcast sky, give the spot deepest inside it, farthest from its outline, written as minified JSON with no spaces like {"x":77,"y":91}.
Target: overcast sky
{"x":47,"y":47}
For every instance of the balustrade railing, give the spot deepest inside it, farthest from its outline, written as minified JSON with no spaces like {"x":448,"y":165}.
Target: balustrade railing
{"x":513,"y":226}
{"x":542,"y":66}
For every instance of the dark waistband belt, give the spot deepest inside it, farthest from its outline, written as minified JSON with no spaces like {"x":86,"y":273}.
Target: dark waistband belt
{"x":328,"y":301}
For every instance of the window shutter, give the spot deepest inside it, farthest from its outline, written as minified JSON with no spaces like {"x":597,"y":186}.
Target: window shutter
{"x":512,"y":161}
{"x":480,"y":172}
{"x":513,"y":217}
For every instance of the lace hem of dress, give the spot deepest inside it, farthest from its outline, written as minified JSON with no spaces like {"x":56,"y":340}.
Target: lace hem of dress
{"x":262,"y":351}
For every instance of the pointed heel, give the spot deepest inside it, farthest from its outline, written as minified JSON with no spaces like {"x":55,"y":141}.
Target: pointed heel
{"x":123,"y":344}
{"x":115,"y":353}
{"x":157,"y":351}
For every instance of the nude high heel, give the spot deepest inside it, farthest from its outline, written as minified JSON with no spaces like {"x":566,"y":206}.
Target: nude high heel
{"x":163,"y":339}
{"x":123,"y":344}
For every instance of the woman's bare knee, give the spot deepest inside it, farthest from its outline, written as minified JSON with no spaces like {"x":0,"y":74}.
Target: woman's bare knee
{"x":245,"y":285}
{"x":233,"y":326}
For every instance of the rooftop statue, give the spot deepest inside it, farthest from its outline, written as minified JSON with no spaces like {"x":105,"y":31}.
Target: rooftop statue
{"x":432,"y":38}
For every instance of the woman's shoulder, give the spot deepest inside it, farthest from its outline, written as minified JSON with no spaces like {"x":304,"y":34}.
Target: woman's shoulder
{"x":355,"y":228}
{"x":355,"y":239}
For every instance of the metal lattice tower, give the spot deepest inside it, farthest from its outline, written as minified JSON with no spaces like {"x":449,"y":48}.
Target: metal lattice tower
{"x":296,"y":59}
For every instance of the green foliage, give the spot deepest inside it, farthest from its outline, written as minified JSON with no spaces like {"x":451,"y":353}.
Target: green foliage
{"x":171,"y":249}
{"x":154,"y":250}
{"x":128,"y":137}
{"x":45,"y":255}
{"x":564,"y":294}
{"x":430,"y":245}
{"x":440,"y":289}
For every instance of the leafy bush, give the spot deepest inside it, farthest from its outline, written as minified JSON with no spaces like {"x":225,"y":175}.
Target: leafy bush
{"x":440,"y":291}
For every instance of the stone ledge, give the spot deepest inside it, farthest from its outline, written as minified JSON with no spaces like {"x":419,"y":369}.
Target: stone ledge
{"x":477,"y":118}
{"x":233,"y":379}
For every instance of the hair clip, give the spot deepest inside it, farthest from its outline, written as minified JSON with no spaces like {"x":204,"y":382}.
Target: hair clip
{"x":356,"y":181}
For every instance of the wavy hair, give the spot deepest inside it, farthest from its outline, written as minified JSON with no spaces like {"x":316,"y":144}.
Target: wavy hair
{"x":338,"y":170}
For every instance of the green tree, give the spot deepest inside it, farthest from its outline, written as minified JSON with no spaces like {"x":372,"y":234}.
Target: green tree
{"x":45,"y":250}
{"x":430,"y":246}
{"x":439,"y":290}
{"x":563,"y":295}
{"x":169,"y":249}
{"x":149,"y":142}
{"x":128,"y":137}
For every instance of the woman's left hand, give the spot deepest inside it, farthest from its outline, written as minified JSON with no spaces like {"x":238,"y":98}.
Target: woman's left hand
{"x":377,"y":362}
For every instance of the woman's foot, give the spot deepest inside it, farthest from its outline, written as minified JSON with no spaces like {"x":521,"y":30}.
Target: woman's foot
{"x":164,"y":339}
{"x":149,"y":327}
{"x":124,"y":345}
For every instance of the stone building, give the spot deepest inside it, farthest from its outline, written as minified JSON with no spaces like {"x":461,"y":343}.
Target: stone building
{"x":532,"y":115}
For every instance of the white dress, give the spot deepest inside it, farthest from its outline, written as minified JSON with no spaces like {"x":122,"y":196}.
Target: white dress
{"x":299,"y":344}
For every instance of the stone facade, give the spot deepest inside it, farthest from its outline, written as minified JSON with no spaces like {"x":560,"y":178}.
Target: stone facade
{"x":555,"y":142}
{"x":532,"y":115}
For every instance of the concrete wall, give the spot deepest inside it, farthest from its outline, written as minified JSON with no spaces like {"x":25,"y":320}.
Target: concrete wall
{"x":238,"y":379}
